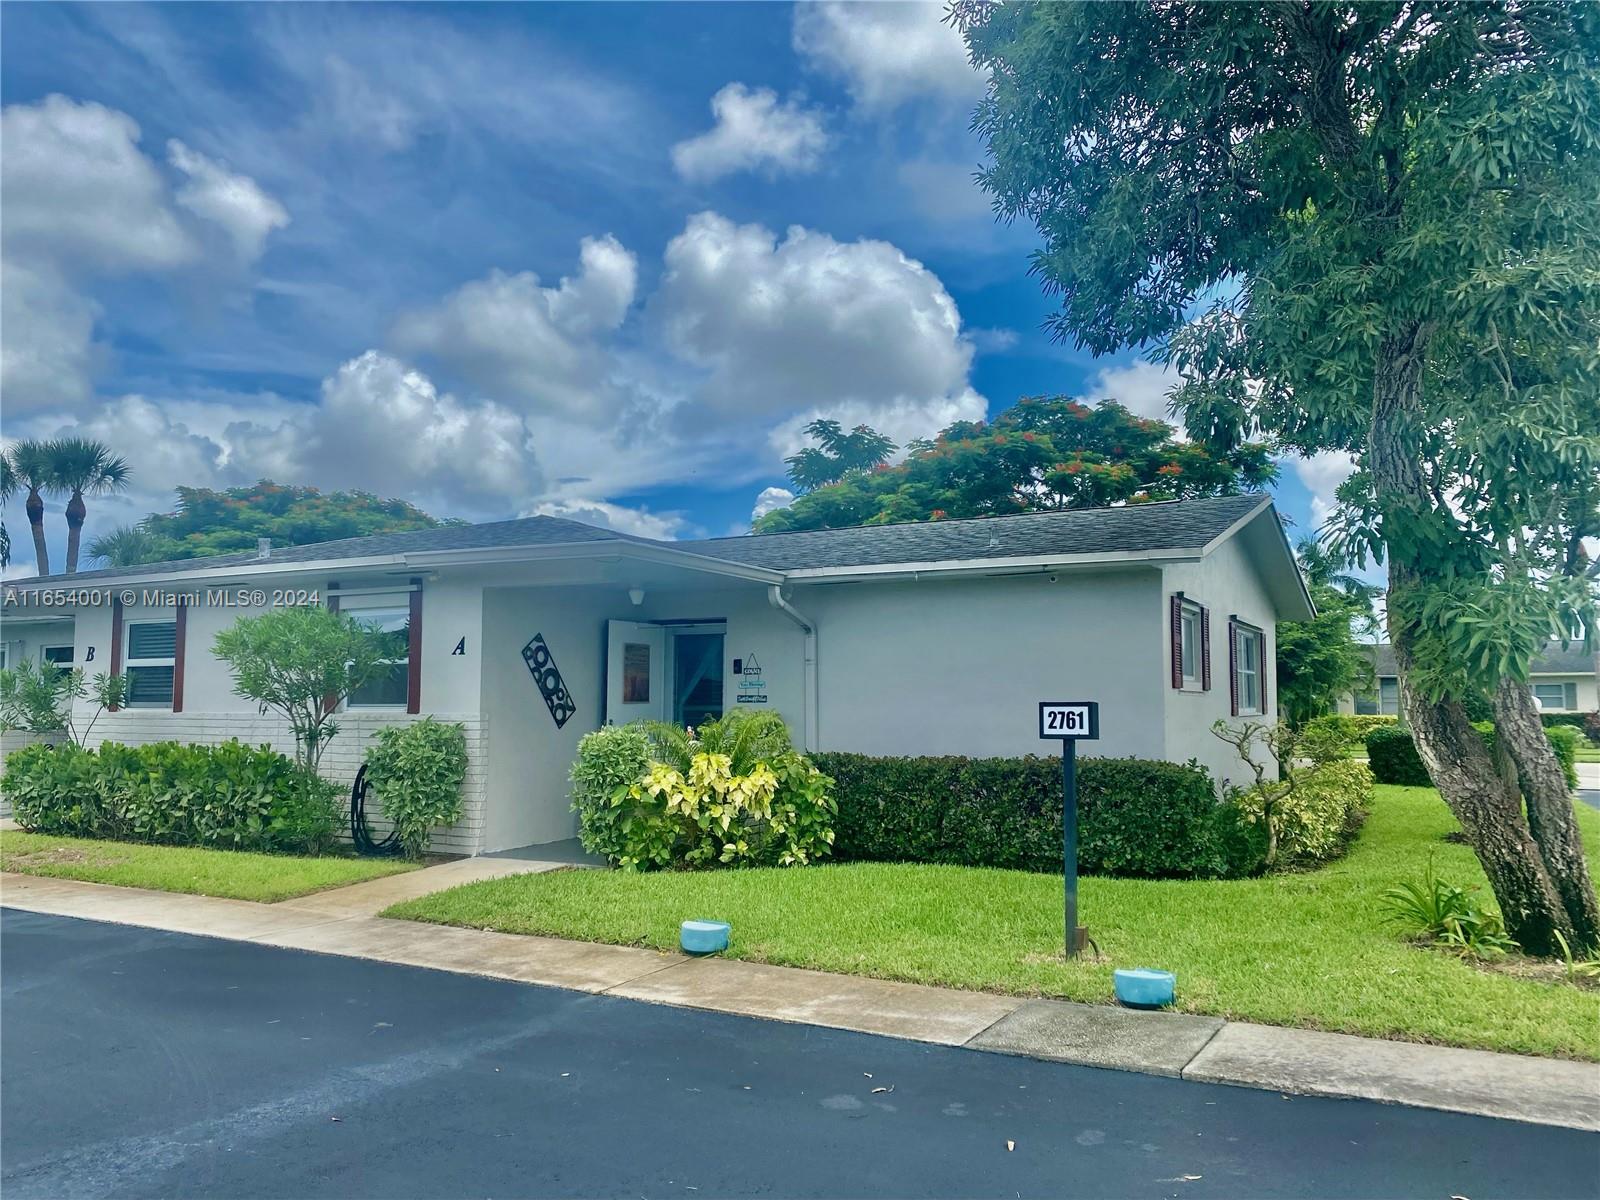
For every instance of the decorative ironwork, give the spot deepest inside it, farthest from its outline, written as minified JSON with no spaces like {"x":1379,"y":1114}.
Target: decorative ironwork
{"x":543,"y":669}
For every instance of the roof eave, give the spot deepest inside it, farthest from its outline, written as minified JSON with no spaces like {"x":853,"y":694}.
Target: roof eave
{"x":1300,"y":592}
{"x":599,"y":550}
{"x":990,"y":566}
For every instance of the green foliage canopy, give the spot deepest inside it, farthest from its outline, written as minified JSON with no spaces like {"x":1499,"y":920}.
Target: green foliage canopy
{"x":208,"y":522}
{"x":1300,"y":205}
{"x":1045,"y":452}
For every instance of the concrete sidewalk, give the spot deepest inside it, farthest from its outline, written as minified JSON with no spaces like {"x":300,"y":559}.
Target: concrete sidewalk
{"x":1544,"y":1091}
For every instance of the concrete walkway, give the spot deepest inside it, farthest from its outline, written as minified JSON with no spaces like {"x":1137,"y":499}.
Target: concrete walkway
{"x":339,"y":922}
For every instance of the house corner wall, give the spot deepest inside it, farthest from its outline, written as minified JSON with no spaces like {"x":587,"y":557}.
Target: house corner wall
{"x":1228,"y":583}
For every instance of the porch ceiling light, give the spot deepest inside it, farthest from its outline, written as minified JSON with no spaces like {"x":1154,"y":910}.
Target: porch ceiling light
{"x":636,"y":594}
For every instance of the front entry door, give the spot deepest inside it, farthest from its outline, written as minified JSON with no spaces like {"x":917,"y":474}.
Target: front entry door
{"x":636,"y":677}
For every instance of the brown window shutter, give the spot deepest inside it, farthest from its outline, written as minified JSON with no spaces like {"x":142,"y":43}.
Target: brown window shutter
{"x":414,"y":651}
{"x":1233,"y":667}
{"x":180,"y":631}
{"x":1205,"y":649}
{"x":116,"y":642}
{"x":1175,"y":629}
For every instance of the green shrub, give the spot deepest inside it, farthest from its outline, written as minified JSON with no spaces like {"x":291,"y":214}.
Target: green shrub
{"x":1574,"y":719}
{"x":230,"y":795}
{"x":1350,"y":728}
{"x":1324,"y":813}
{"x":416,"y":771}
{"x":1305,"y":794}
{"x":1393,"y":757}
{"x":1564,"y":740}
{"x":735,"y":794}
{"x":1591,"y":727}
{"x":1141,"y":818}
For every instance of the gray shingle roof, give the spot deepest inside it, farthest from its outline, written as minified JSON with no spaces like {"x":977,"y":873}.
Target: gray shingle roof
{"x":1172,"y":525}
{"x":1574,"y":660}
{"x":528,"y":531}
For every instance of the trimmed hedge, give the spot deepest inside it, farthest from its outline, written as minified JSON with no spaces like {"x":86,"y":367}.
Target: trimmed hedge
{"x":1577,"y":720}
{"x":1394,"y":759}
{"x":1350,"y":728}
{"x":232,"y":796}
{"x":1136,"y":817}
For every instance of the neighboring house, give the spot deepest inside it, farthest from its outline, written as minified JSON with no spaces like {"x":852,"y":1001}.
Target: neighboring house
{"x":935,"y":638}
{"x":1563,"y":681}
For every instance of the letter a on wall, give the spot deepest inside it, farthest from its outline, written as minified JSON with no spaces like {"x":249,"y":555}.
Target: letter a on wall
{"x":543,"y":669}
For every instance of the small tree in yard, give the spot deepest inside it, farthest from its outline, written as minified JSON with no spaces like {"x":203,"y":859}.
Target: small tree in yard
{"x":38,"y":697}
{"x":1364,"y":229}
{"x":301,"y":662}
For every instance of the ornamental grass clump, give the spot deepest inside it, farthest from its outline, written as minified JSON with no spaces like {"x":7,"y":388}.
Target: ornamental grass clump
{"x":735,"y":792}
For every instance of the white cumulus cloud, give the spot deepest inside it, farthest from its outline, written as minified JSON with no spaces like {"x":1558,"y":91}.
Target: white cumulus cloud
{"x":887,"y":53}
{"x":78,"y":190}
{"x":529,"y":346}
{"x":82,"y":202}
{"x":1322,"y":473}
{"x":1140,"y":387}
{"x":639,"y":522}
{"x":232,"y":201}
{"x":770,"y":500}
{"x":786,"y":329}
{"x":753,"y":130}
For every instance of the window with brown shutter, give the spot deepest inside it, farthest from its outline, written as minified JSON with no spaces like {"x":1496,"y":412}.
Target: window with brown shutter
{"x":1188,"y":644}
{"x":1233,"y":667}
{"x":1175,"y":637}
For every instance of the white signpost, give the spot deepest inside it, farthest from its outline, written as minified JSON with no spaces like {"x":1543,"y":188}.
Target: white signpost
{"x":1069,"y":722}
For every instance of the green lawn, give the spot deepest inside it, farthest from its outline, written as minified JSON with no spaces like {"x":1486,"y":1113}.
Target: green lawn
{"x":1588,"y":754}
{"x":1308,"y":949}
{"x":265,"y":877}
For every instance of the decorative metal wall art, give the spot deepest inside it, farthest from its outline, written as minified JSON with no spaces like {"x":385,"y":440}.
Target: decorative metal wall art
{"x":543,"y":669}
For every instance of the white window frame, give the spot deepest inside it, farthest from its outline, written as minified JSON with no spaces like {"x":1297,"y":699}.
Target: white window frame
{"x":1564,"y":687}
{"x":129,"y":662}
{"x":385,"y":602}
{"x":1191,"y":645}
{"x":1385,"y":708}
{"x":68,"y":646}
{"x":1244,"y":634}
{"x":5,"y":655}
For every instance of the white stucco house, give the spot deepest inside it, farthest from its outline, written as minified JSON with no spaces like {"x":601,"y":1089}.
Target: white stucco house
{"x":936,"y":638}
{"x":1563,"y":679}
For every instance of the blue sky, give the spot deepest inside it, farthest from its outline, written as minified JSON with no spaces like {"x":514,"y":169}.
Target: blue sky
{"x":597,"y":260}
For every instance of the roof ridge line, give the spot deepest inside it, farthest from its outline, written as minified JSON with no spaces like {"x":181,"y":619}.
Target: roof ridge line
{"x":1037,"y":512}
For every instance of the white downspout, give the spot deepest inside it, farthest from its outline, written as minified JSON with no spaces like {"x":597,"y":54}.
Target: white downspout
{"x":808,"y":627}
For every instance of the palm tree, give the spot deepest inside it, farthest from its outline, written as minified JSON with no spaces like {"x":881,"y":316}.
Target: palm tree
{"x":8,"y":488}
{"x":33,"y":467}
{"x":85,"y":467}
{"x":130,"y":545}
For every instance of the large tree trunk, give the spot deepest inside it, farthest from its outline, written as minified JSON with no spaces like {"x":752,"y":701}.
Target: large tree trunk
{"x":35,"y":510}
{"x":1462,"y":769}
{"x":1550,"y":816}
{"x":77,"y":511}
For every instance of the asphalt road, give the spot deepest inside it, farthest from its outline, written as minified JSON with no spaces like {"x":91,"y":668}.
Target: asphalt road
{"x":140,"y":1063}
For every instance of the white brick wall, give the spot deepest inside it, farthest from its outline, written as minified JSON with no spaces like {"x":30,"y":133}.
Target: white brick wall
{"x":340,"y":759}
